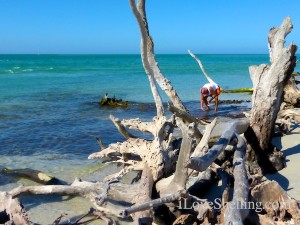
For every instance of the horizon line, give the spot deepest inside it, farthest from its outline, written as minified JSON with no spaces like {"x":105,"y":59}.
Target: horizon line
{"x":132,"y":53}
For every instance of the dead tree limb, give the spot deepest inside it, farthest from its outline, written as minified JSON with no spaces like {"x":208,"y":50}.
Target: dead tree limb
{"x":187,"y":118}
{"x":203,"y":144}
{"x":178,"y":180}
{"x":121,"y":128}
{"x":148,"y":57}
{"x":237,"y":210}
{"x":201,"y":67}
{"x":181,"y":173}
{"x":144,"y":194}
{"x":100,"y":143}
{"x":202,"y":163}
{"x":147,"y":50}
{"x":154,"y":203}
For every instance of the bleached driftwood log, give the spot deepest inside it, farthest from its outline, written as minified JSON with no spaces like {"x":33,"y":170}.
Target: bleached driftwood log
{"x":178,"y":180}
{"x":268,"y":82}
{"x":202,"y":163}
{"x":202,"y":147}
{"x":238,"y":209}
{"x":144,"y":194}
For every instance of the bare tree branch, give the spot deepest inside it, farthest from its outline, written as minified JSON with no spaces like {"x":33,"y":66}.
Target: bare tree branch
{"x":202,"y":163}
{"x":202,"y":67}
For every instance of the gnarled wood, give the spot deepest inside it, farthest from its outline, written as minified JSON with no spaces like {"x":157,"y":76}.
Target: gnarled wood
{"x":203,"y":144}
{"x":178,"y":180}
{"x":148,"y":57}
{"x":203,"y":162}
{"x":291,"y":93}
{"x":144,"y":194}
{"x":121,"y":128}
{"x":276,"y":202}
{"x":268,"y":82}
{"x":11,"y":210}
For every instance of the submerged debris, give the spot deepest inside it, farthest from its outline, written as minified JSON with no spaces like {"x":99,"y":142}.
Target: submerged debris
{"x":113,"y":102}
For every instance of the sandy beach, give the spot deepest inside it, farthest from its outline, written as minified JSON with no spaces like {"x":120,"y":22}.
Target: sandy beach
{"x":288,"y":178}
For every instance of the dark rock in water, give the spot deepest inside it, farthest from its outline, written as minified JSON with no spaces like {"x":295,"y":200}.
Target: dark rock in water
{"x":113,"y":102}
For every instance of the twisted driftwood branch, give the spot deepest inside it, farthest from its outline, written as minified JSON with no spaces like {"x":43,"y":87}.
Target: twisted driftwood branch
{"x":203,"y":162}
{"x":148,"y":58}
{"x":201,"y":67}
{"x":121,"y":128}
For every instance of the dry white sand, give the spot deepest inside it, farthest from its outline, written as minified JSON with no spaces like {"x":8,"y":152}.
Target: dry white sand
{"x":289,"y":177}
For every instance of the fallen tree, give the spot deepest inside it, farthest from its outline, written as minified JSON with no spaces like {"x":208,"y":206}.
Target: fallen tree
{"x":178,"y":160}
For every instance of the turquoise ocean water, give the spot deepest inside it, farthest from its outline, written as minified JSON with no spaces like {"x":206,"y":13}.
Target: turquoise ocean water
{"x":49,"y":115}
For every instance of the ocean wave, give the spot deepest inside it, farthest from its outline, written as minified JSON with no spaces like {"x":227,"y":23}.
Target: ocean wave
{"x":27,"y":70}
{"x":8,"y":71}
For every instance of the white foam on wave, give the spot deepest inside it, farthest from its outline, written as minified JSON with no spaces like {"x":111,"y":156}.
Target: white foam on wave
{"x":27,"y":70}
{"x":9,"y":71}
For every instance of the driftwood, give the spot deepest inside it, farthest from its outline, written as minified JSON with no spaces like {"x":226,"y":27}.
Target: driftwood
{"x":210,"y":80}
{"x":12,"y":211}
{"x":237,"y":210}
{"x":34,"y":175}
{"x":202,"y":163}
{"x":268,"y":82}
{"x":292,"y":92}
{"x":285,"y":119}
{"x":149,"y":62}
{"x":275,"y":201}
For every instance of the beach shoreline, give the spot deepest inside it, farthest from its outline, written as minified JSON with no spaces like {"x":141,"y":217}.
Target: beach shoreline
{"x":289,"y":144}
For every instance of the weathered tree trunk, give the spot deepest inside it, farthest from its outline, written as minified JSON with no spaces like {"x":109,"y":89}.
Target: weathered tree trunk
{"x":268,"y":82}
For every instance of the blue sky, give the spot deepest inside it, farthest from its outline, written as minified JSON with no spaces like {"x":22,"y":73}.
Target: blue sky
{"x":109,"y":27}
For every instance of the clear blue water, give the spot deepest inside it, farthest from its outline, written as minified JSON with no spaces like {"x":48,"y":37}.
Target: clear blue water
{"x":48,"y":103}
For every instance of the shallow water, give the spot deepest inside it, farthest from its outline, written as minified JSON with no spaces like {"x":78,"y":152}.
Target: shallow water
{"x":50,"y":117}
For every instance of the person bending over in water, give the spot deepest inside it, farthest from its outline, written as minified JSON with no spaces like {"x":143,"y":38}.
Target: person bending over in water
{"x":210,"y":90}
